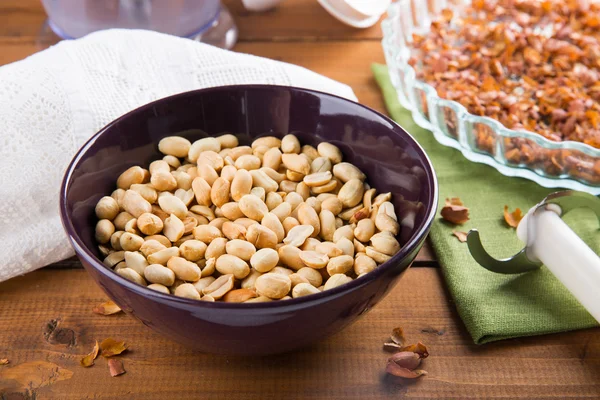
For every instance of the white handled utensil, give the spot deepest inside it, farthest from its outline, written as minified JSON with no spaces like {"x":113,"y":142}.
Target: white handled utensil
{"x":356,"y":13}
{"x":549,"y":241}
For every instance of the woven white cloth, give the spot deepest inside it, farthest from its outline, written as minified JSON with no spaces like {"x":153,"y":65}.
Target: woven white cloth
{"x":53,"y":101}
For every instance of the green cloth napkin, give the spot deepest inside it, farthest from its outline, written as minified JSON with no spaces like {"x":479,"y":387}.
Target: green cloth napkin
{"x":493,"y":306}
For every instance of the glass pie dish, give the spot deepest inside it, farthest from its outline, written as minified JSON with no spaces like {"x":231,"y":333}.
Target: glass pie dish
{"x":520,"y":153}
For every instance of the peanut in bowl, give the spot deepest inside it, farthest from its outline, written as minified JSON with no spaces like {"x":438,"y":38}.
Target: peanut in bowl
{"x":391,"y":160}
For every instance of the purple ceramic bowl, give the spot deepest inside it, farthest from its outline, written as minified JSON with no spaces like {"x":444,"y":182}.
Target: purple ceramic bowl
{"x":390,"y":157}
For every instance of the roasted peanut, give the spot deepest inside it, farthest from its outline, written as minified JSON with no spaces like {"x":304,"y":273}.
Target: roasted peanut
{"x":162,"y":256}
{"x":296,"y":163}
{"x":192,"y":250}
{"x":130,"y":241}
{"x":239,"y":151}
{"x":156,"y":273}
{"x":203,"y":283}
{"x":304,"y":289}
{"x":239,"y":295}
{"x":131,"y":275}
{"x":151,"y":246}
{"x":314,"y":259}
{"x":131,"y":176}
{"x":202,"y":145}
{"x":290,"y":144}
{"x":384,"y":242}
{"x":346,"y":246}
{"x":249,"y":281}
{"x":159,"y":238}
{"x":208,"y":173}
{"x":320,"y":165}
{"x":273,"y":286}
{"x":240,"y":249}
{"x":340,"y":265}
{"x":206,"y":233}
{"x":247,"y":162}
{"x":330,"y":249}
{"x":287,"y":186}
{"x":346,"y":231}
{"x":272,"y":222}
{"x":297,"y":235}
{"x":115,"y":241}
{"x":220,"y":286}
{"x":176,"y":146}
{"x":159,"y":288}
{"x":290,"y":256}
{"x":273,"y":200}
{"x":188,"y":291}
{"x":253,"y":207}
{"x":227,"y":141}
{"x":135,"y":204}
{"x":351,"y":193}
{"x":311,"y":275}
{"x":384,"y":222}
{"x":136,"y":261}
{"x":330,"y":151}
{"x":259,"y":192}
{"x":282,"y":211}
{"x":272,"y":158}
{"x":271,"y":173}
{"x":202,"y":190}
{"x":378,"y":256}
{"x":327,"y":222}
{"x":359,"y":247}
{"x":173,"y":161}
{"x":328,"y":187}
{"x":209,"y":267}
{"x":174,"y":228}
{"x":107,"y":208}
{"x":261,"y":179}
{"x":216,"y":248}
{"x":149,"y":224}
{"x":230,"y":264}
{"x":345,"y":171}
{"x":264,"y":260}
{"x":163,"y":181}
{"x":114,"y":258}
{"x":267,"y":141}
{"x":308,"y":216}
{"x":365,"y":228}
{"x":363,"y":264}
{"x":261,"y":237}
{"x":228,"y":172}
{"x":173,"y":205}
{"x":104,"y":231}
{"x":336,"y":280}
{"x":183,"y":269}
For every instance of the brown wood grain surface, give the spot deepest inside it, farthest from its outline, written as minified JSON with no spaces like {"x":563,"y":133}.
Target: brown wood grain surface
{"x":348,"y":365}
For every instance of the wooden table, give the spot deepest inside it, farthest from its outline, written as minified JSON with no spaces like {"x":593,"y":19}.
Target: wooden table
{"x":348,"y":365}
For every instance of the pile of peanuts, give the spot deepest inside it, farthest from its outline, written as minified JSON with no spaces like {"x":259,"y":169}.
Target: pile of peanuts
{"x":214,"y":220}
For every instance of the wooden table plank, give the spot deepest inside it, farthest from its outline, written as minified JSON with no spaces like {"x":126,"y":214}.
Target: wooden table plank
{"x":347,"y":365}
{"x":293,"y":20}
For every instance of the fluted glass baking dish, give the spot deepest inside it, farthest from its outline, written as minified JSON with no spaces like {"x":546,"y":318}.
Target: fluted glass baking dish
{"x":525,"y":154}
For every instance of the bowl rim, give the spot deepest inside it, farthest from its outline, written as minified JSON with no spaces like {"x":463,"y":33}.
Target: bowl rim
{"x":81,"y":249}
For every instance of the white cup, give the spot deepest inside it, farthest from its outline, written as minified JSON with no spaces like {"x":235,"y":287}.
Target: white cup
{"x":260,"y":5}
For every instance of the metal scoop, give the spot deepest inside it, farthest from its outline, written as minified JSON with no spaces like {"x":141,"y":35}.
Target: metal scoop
{"x":550,"y":242}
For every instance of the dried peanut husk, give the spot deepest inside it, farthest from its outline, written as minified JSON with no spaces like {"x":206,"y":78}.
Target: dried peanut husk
{"x":88,"y":360}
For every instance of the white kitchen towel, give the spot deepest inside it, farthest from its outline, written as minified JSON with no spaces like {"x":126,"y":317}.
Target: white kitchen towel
{"x":53,"y":101}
